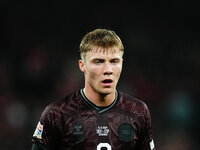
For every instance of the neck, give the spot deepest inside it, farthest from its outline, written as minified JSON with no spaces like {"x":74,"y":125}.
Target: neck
{"x":99,"y":99}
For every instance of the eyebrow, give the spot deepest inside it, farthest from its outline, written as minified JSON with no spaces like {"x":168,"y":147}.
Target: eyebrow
{"x":93,"y":60}
{"x":104,"y":59}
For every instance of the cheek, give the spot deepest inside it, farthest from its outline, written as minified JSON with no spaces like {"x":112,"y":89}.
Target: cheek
{"x":92,"y":73}
{"x":118,"y":70}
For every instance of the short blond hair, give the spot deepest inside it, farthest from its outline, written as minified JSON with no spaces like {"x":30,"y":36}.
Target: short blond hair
{"x":102,"y":38}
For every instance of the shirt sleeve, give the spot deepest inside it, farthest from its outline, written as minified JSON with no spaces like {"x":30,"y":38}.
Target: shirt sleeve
{"x":38,"y":147}
{"x":48,"y":129}
{"x":146,"y":140}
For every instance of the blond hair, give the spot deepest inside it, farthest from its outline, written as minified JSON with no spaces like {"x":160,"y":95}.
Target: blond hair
{"x":100,"y":38}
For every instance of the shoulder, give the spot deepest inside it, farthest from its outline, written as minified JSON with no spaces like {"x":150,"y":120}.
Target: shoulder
{"x":62,"y":105}
{"x":133,"y":104}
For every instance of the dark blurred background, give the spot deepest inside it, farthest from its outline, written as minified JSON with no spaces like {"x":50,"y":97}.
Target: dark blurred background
{"x":39,"y":55}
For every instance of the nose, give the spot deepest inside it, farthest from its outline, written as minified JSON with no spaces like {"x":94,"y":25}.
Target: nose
{"x":107,"y":69}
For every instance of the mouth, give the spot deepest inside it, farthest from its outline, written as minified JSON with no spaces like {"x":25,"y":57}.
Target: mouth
{"x":107,"y":82}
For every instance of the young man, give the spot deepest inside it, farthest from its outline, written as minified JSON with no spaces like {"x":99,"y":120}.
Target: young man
{"x":97,"y":117}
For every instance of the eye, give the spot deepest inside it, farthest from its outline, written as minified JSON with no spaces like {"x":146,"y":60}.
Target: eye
{"x":98,"y":61}
{"x":114,"y":61}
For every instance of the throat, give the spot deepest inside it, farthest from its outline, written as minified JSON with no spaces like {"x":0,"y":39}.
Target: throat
{"x":100,"y":100}
{"x":100,"y":107}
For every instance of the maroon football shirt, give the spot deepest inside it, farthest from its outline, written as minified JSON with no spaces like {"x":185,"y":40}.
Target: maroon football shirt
{"x":75,"y":123}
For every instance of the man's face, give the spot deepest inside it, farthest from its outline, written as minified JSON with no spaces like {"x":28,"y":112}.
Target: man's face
{"x":102,"y":70}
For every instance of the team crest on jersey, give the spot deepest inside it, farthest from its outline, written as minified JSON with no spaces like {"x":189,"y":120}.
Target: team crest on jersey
{"x":125,"y":132}
{"x":102,"y":130}
{"x":38,"y":131}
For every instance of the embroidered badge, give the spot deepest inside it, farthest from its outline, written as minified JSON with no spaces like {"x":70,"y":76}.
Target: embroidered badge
{"x":125,"y":132}
{"x":152,"y":144}
{"x":38,"y":131}
{"x":78,"y":132}
{"x":102,"y":130}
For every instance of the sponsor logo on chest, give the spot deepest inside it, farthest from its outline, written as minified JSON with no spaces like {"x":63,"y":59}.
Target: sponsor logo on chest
{"x":102,"y":130}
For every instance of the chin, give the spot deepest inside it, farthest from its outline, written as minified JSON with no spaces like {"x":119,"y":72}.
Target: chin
{"x":106,"y":91}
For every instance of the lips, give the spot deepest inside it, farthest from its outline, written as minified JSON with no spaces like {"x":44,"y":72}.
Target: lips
{"x":107,"y":82}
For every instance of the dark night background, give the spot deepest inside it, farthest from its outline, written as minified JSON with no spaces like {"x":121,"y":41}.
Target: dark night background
{"x":39,"y":55}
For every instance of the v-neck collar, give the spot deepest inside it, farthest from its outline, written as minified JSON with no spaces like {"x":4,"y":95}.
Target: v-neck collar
{"x":99,"y":109}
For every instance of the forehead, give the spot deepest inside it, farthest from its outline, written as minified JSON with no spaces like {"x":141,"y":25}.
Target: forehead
{"x":104,"y":53}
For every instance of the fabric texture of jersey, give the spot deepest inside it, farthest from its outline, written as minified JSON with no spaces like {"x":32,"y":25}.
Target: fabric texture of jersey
{"x":74,"y":123}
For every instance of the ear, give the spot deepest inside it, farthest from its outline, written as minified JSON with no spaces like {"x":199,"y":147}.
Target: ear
{"x":81,"y":65}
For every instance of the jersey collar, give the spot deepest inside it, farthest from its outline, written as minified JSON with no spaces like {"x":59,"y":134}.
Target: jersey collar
{"x":99,"y":109}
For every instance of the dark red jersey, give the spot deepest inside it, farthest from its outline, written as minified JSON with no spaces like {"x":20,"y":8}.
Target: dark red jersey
{"x":75,"y":123}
